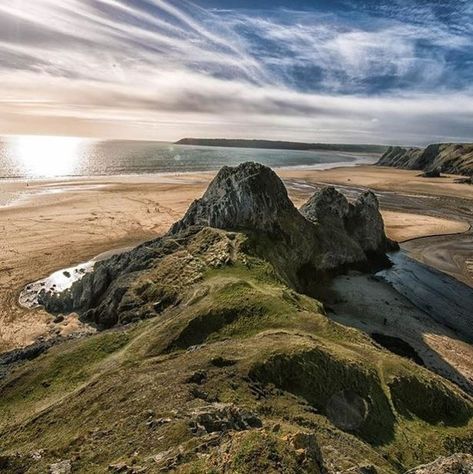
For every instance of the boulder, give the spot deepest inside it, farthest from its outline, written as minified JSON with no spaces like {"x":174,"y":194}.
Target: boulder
{"x":62,"y":467}
{"x":222,"y":417}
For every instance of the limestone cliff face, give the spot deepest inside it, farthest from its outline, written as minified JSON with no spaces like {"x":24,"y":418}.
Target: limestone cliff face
{"x":454,"y":158}
{"x":249,"y":204}
{"x":250,"y":196}
{"x":360,"y":221}
{"x":400,"y":157}
{"x":327,"y":207}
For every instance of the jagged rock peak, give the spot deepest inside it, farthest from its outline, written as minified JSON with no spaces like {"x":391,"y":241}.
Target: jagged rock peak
{"x":327,"y":206}
{"x":365,"y":224}
{"x":249,"y":196}
{"x":361,"y":220}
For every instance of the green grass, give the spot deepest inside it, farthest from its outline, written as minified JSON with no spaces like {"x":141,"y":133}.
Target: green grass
{"x":262,"y":452}
{"x":86,"y":400}
{"x":55,"y":374}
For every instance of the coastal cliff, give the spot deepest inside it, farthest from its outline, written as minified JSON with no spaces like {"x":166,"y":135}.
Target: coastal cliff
{"x":219,"y":359}
{"x":453,"y":158}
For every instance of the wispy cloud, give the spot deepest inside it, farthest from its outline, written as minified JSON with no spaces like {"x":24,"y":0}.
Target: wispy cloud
{"x":156,"y":69}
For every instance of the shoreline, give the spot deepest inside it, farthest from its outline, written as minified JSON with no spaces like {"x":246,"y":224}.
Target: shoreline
{"x":59,"y":229}
{"x":72,"y":180}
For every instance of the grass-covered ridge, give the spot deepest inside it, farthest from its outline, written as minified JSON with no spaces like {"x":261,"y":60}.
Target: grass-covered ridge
{"x":231,"y":332}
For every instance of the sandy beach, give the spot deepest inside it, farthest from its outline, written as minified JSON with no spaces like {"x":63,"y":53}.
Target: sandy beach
{"x":49,"y":225}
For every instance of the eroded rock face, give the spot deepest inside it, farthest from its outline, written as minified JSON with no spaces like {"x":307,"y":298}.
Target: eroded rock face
{"x":327,"y":207}
{"x":456,"y":464}
{"x":143,"y":282}
{"x":250,"y":196}
{"x":400,"y":157}
{"x":365,"y":224}
{"x":454,"y":158}
{"x":361,"y":221}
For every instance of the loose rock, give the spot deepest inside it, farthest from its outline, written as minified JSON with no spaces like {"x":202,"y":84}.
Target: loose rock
{"x":222,"y":417}
{"x":456,"y":464}
{"x":62,"y":467}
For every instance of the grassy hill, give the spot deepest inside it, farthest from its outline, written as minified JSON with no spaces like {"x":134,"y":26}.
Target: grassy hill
{"x":214,"y":357}
{"x":241,"y":374}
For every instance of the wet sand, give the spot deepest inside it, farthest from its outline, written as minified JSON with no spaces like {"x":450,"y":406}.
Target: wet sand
{"x":60,"y":223}
{"x":376,"y":307}
{"x":433,"y":217}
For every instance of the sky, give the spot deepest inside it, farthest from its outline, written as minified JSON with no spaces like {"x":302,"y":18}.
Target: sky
{"x":339,"y":71}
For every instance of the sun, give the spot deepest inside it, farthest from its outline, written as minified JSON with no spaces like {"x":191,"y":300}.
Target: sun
{"x":47,"y":156}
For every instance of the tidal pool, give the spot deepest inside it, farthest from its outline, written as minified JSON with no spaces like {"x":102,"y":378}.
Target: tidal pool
{"x":61,"y":280}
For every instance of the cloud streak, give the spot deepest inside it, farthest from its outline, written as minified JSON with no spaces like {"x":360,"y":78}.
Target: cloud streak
{"x":162,"y":70}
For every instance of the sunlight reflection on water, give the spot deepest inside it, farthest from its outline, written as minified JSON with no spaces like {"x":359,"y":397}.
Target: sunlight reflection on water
{"x":51,"y":156}
{"x":35,"y":157}
{"x":44,"y":156}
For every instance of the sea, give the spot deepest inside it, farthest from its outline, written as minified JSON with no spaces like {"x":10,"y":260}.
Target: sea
{"x":42,"y":157}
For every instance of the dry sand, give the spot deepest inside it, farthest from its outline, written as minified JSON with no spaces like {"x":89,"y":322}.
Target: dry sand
{"x":59,"y":223}
{"x":402,"y":226}
{"x":382,"y":178}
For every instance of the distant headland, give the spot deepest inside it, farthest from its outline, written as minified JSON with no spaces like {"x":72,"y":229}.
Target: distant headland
{"x":282,"y":145}
{"x":454,"y":158}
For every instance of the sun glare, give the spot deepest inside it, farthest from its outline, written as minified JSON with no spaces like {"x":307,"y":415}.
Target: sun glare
{"x":47,"y":156}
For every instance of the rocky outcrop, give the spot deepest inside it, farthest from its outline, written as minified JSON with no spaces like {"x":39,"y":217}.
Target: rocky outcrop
{"x":222,"y":417}
{"x":361,"y":220}
{"x":434,"y":173}
{"x":456,"y":464}
{"x":453,"y":158}
{"x":9,"y":359}
{"x":327,"y":235}
{"x":250,"y":196}
{"x":400,"y":157}
{"x":145,"y":281}
{"x":62,"y":467}
{"x":327,"y":207}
